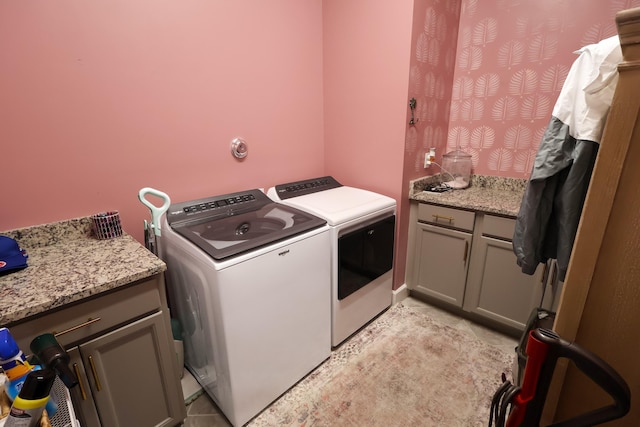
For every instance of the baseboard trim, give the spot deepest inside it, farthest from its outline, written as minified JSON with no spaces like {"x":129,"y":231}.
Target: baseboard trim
{"x":399,"y":294}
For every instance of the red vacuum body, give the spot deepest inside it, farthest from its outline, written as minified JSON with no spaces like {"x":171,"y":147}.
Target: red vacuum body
{"x":526,"y":402}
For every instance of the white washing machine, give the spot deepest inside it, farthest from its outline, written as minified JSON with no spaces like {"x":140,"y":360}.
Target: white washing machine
{"x":247,"y":279}
{"x":362,"y":244}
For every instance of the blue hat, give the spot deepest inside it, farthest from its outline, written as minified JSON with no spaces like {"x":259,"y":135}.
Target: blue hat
{"x":11,"y":256}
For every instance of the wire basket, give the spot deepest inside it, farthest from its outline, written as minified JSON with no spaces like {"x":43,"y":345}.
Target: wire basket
{"x":64,"y":416}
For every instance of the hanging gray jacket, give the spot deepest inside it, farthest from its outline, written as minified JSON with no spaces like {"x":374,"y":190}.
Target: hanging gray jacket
{"x":552,"y":203}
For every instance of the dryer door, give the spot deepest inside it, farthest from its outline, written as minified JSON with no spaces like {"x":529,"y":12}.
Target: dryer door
{"x":364,"y":255}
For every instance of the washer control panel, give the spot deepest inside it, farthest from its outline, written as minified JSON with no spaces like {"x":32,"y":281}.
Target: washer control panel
{"x":218,"y":203}
{"x":225,"y":205}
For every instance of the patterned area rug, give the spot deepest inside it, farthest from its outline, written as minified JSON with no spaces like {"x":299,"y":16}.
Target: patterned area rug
{"x":402,"y":369}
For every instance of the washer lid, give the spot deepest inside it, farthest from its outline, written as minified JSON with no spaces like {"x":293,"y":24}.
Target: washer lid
{"x":244,"y":221}
{"x":342,"y":204}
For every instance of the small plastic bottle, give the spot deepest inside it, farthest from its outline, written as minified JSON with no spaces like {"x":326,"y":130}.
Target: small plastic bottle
{"x":17,"y":368}
{"x":13,"y":363}
{"x":27,"y":407}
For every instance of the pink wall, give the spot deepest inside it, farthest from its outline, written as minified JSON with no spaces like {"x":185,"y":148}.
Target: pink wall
{"x":100,"y":99}
{"x":366,"y":68}
{"x":512,"y":58}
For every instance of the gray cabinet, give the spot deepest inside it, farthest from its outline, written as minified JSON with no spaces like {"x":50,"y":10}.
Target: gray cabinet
{"x":496,"y":287}
{"x":123,"y":372}
{"x":83,"y":401}
{"x":442,"y":269}
{"x":443,"y":244}
{"x":466,"y":260}
{"x":122,"y":352}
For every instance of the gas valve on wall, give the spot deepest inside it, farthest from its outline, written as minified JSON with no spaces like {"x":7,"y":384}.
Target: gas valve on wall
{"x":239,"y":148}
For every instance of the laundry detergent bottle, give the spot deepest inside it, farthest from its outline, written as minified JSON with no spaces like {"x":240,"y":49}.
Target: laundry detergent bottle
{"x":13,"y":363}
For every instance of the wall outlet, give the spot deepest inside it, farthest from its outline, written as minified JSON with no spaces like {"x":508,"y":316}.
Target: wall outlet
{"x":429,"y":157}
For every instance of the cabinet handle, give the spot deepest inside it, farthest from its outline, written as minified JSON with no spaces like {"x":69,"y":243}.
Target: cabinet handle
{"x":83,"y":393}
{"x":73,"y":328}
{"x":436,"y":218}
{"x":95,"y":373}
{"x":466,"y":251}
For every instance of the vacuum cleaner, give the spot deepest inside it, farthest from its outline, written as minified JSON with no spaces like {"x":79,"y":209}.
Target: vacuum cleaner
{"x":521,"y":406}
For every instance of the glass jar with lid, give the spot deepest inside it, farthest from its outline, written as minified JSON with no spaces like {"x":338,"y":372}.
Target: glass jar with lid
{"x":456,"y":169}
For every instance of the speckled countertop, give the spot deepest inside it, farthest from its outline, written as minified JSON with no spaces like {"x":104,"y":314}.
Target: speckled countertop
{"x":488,"y":194}
{"x":67,"y":264}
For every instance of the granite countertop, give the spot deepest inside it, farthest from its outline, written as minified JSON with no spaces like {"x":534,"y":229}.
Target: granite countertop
{"x":67,"y":264}
{"x":496,"y":195}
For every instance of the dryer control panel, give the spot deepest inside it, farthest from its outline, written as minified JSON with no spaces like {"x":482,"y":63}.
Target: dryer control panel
{"x":308,"y":186}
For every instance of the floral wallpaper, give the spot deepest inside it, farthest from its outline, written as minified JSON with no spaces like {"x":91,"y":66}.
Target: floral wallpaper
{"x":511,"y":59}
{"x":434,"y":42}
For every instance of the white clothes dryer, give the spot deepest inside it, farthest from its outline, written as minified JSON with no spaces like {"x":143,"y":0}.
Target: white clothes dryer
{"x":362,"y":227}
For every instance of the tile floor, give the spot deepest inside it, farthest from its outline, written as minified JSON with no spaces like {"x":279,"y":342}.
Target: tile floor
{"x":202,"y":412}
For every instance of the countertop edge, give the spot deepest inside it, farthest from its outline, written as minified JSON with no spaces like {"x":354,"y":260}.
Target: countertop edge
{"x":492,"y":195}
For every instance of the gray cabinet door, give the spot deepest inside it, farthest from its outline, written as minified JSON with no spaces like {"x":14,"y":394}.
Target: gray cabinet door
{"x":81,"y":395}
{"x":442,"y":259}
{"x":127,"y":371}
{"x":497,"y":288}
